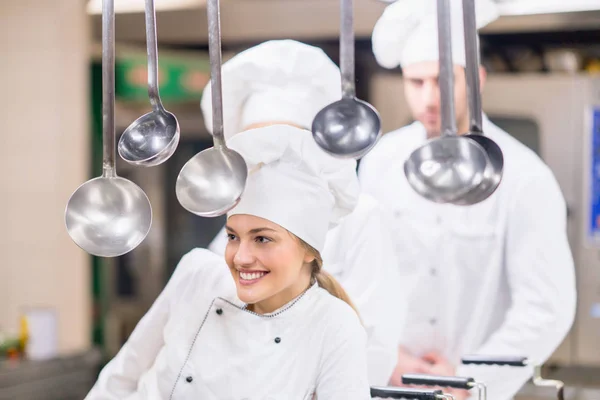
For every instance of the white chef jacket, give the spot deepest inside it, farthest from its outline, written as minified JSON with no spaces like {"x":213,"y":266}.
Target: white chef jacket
{"x":496,"y":278}
{"x":359,"y":253}
{"x":199,"y":342}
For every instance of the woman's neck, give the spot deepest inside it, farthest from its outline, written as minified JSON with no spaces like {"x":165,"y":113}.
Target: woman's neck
{"x":282,"y":297}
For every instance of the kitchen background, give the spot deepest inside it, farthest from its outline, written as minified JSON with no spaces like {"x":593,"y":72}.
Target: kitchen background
{"x":543,"y":58}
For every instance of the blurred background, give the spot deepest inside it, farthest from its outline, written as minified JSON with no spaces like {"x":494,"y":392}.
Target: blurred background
{"x":63,"y":313}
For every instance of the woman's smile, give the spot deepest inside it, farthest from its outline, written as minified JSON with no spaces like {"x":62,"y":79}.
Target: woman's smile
{"x":249,"y":277}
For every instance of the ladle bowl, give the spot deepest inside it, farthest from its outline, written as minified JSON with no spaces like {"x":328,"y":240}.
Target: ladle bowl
{"x":492,"y":175}
{"x":348,"y":128}
{"x":151,"y":139}
{"x":212,"y":182}
{"x":446,"y":168}
{"x":108,"y":216}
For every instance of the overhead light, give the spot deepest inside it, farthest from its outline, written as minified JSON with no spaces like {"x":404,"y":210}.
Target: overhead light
{"x":94,"y":7}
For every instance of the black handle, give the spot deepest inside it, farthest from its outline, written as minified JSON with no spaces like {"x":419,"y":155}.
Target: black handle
{"x":455,"y":382}
{"x":404,"y":393}
{"x":493,"y":360}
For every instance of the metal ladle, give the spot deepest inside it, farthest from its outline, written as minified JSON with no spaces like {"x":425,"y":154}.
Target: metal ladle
{"x":108,"y":216}
{"x":446,"y":168}
{"x":212,"y":182}
{"x":348,"y":128}
{"x":152,"y":138}
{"x":493,"y":173}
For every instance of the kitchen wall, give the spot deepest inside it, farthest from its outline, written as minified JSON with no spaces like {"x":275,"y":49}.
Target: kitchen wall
{"x":44,"y":157}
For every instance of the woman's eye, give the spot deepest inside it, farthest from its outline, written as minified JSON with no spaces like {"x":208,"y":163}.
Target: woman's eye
{"x":262,"y":239}
{"x":230,"y":237}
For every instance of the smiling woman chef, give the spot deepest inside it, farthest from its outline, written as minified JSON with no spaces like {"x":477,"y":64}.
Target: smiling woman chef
{"x":281,"y":328}
{"x":288,"y":82}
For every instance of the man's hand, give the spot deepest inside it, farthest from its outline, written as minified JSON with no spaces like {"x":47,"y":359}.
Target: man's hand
{"x":408,"y":364}
{"x":439,"y":365}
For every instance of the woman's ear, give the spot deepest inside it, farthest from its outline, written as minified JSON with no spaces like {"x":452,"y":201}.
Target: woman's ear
{"x":309,"y":257}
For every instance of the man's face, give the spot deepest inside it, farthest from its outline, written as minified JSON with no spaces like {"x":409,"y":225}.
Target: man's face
{"x":423,"y":96}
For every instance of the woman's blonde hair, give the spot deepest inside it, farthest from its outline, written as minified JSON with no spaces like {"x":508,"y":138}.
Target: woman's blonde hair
{"x":324,"y":278}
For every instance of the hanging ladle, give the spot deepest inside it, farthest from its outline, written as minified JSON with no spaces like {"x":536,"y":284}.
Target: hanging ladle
{"x":348,"y":128}
{"x":152,"y":138}
{"x":108,"y":216}
{"x":493,"y":173}
{"x":212,"y":182}
{"x":446,"y":168}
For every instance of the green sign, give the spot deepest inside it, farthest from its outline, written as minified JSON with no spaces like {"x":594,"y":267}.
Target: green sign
{"x":181,"y":77}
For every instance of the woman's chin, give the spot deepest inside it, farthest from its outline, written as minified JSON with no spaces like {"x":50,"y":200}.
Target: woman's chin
{"x":251,"y":291}
{"x":249,"y":295}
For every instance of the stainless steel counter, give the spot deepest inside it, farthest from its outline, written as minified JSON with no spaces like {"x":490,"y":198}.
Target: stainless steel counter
{"x":581,"y":383}
{"x":65,"y":378}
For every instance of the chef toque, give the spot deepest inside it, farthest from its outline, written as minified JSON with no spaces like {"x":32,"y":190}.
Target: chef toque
{"x":406,"y":33}
{"x":278,"y":80}
{"x":293,"y":183}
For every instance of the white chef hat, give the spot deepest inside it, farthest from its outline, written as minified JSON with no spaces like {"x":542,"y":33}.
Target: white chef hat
{"x":407,"y":31}
{"x":278,"y":80}
{"x":294,"y":183}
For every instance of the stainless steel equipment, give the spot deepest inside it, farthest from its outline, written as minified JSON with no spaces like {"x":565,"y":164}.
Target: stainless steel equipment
{"x":518,"y":362}
{"x":558,"y":117}
{"x":212,"y":182}
{"x":109,"y":215}
{"x":349,"y":127}
{"x":455,"y":382}
{"x":493,"y":172}
{"x":408,"y":394}
{"x":151,"y":139}
{"x":446,"y":168}
{"x":62,"y":378}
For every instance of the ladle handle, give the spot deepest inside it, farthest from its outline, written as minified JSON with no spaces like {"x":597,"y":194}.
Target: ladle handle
{"x":472,"y":70}
{"x":347,"y":48}
{"x":446,"y":77}
{"x":512,"y":361}
{"x":151,"y":49}
{"x":108,"y":88}
{"x":404,"y":393}
{"x":214,"y":52}
{"x":455,"y":382}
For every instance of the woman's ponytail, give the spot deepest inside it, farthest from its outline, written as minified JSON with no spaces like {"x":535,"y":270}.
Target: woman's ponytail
{"x":329,"y":283}
{"x":325,"y":279}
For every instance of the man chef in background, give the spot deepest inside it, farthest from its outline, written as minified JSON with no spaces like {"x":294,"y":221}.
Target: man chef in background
{"x":495,"y":278}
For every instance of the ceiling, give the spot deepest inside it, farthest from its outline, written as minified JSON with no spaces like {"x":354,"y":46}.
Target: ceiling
{"x":183,"y":22}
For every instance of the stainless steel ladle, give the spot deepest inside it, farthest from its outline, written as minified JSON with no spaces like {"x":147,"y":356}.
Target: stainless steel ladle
{"x":108,"y":216}
{"x":446,"y":168}
{"x":350,"y":127}
{"x":152,"y":138}
{"x":212,"y":182}
{"x":493,"y":173}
